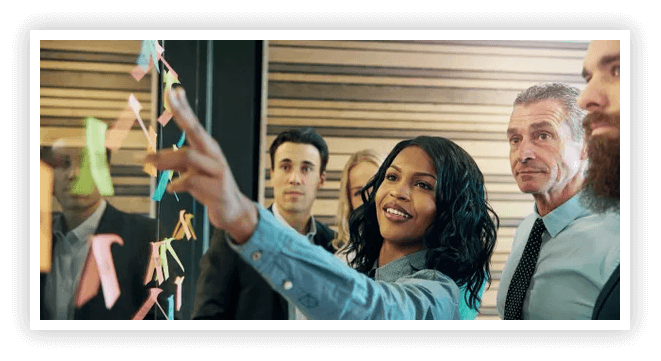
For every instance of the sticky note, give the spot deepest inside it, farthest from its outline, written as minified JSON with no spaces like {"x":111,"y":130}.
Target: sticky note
{"x":98,"y":159}
{"x":178,"y":281}
{"x":171,"y":307}
{"x":159,"y":48}
{"x":138,"y":73}
{"x":152,"y":299}
{"x":99,"y":272}
{"x":84,"y":183}
{"x":45,"y":216}
{"x":154,"y":268}
{"x":184,"y":226}
{"x":181,"y":140}
{"x":101,"y":248}
{"x":164,"y":118}
{"x":116,"y":135}
{"x":89,"y":283}
{"x":148,"y":167}
{"x":136,"y":106}
{"x":168,"y":79}
{"x":160,"y":187}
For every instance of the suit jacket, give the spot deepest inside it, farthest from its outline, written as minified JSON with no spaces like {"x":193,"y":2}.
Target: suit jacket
{"x":131,"y":261}
{"x":229,"y":289}
{"x":607,"y":306}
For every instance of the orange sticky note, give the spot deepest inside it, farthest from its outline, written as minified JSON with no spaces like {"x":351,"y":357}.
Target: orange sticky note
{"x":184,"y":226}
{"x":45,"y":216}
{"x":154,"y":264}
{"x":148,"y":167}
{"x":116,"y":135}
{"x":165,"y":117}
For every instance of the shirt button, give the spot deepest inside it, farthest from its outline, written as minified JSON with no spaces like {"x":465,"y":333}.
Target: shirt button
{"x":256,"y":256}
{"x":287,"y":285}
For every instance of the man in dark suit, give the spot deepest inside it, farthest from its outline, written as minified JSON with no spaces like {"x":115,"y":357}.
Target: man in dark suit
{"x":83,"y":216}
{"x":601,"y":98}
{"x":228,"y":288}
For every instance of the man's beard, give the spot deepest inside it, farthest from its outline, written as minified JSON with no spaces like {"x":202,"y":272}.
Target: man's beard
{"x":602,"y":182}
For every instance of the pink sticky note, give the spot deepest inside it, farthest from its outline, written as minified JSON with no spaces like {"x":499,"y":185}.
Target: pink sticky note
{"x":165,"y":118}
{"x":136,"y":106}
{"x":138,"y":73}
{"x":154,"y":264}
{"x":89,"y":283}
{"x":106,"y":267}
{"x":159,"y":48}
{"x":178,"y":281}
{"x":174,"y":73}
{"x":147,"y":305}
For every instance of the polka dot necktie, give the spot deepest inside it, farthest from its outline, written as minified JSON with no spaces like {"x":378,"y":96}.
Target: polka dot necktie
{"x":523,"y":273}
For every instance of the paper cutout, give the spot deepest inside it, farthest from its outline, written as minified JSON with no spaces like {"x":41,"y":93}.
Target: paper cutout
{"x":162,"y":184}
{"x":178,"y":281}
{"x":166,"y":245}
{"x":45,"y":216}
{"x":148,"y":167}
{"x":98,"y":158}
{"x":89,"y":283}
{"x":171,"y":307}
{"x":181,"y":140}
{"x":184,"y":226}
{"x":169,"y":78}
{"x":84,"y":183}
{"x":136,"y":106}
{"x":164,"y":118}
{"x":150,"y":52}
{"x":149,"y":302}
{"x":154,"y":264}
{"x":116,"y":135}
{"x":99,"y":271}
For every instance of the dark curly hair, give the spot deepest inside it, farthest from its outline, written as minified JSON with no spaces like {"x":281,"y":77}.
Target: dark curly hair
{"x":462,"y":238}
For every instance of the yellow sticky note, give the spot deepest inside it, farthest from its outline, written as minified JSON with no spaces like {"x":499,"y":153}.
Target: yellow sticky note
{"x":168,"y":79}
{"x":148,"y":167}
{"x":45,"y":207}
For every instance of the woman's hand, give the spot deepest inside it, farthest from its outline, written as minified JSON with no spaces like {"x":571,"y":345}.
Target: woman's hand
{"x":205,"y":174}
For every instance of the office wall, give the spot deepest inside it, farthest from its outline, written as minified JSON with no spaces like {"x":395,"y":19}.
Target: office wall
{"x":81,"y":78}
{"x":372,"y":94}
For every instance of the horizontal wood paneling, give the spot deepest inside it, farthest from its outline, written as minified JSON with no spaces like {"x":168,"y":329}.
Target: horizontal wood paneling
{"x":92,"y":78}
{"x":372,"y":94}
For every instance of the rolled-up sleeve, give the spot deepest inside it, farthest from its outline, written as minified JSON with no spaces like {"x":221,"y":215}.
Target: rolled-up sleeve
{"x":323,"y":287}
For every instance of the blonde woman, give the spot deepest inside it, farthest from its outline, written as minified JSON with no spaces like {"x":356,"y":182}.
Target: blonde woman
{"x":358,"y":170}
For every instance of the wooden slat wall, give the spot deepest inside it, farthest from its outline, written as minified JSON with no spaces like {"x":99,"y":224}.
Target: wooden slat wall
{"x":91,"y":78}
{"x":360,"y":94}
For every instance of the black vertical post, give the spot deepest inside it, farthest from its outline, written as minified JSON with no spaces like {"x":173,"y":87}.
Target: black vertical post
{"x":223,"y":83}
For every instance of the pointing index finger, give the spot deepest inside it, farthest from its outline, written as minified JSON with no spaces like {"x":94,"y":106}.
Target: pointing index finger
{"x":186,"y":119}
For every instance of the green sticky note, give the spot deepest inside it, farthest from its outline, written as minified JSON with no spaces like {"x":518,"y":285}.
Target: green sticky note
{"x":84,"y":183}
{"x":98,"y":160}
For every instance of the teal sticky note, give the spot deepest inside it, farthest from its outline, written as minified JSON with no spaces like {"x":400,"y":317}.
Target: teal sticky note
{"x":162,"y":184}
{"x":171,"y":307}
{"x":181,"y":140}
{"x":143,"y":58}
{"x":95,"y":139}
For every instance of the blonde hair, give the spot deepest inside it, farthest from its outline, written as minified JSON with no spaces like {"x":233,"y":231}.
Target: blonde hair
{"x":344,"y":205}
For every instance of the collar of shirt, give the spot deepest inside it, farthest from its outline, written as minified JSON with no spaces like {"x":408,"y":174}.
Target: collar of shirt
{"x":564,"y":215}
{"x":86,"y":228}
{"x":394,"y":270}
{"x":313,"y":227}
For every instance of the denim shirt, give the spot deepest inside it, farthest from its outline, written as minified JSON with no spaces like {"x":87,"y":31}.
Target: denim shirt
{"x":323,"y":287}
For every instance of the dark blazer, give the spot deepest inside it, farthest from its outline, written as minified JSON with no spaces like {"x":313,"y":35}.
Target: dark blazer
{"x":229,"y":289}
{"x":607,"y":306}
{"x":131,"y":261}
